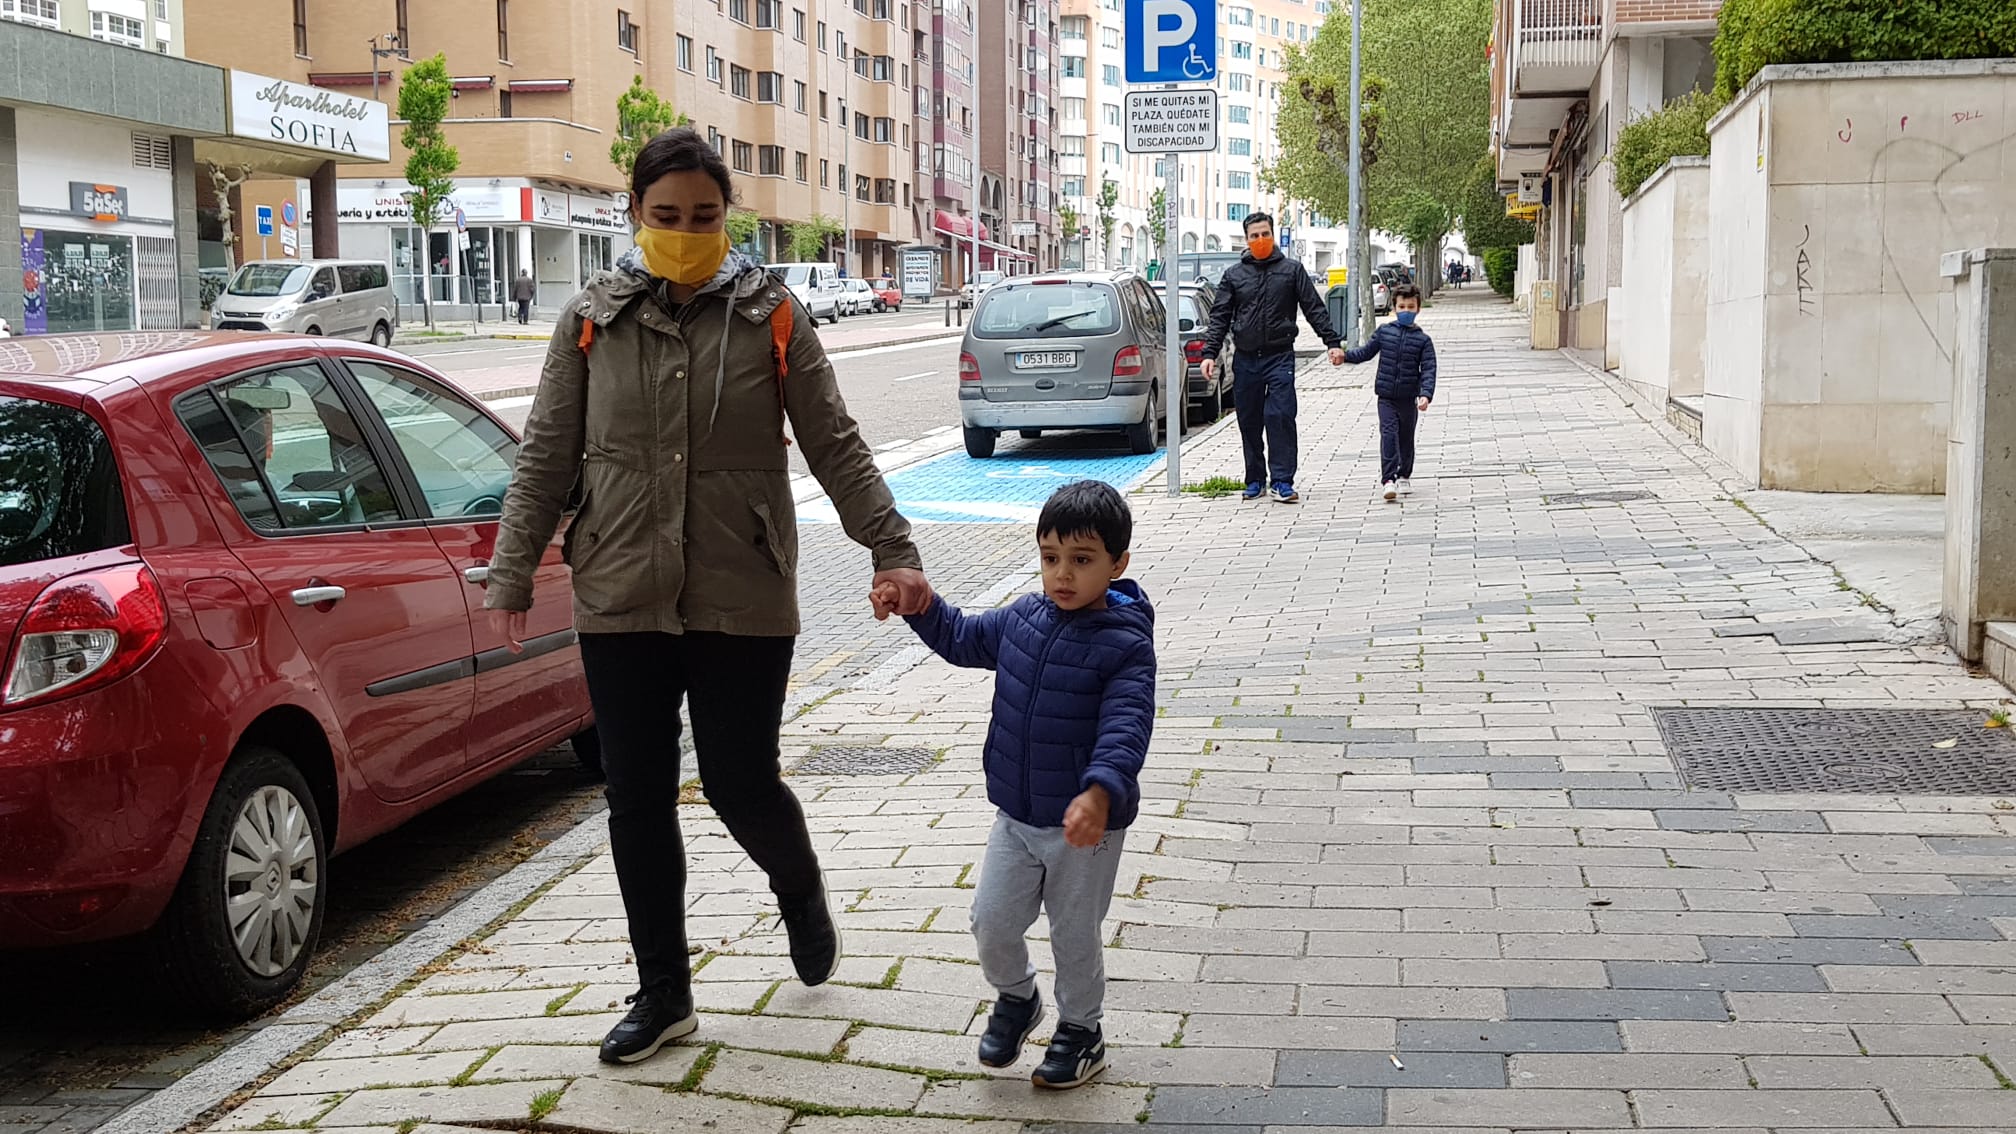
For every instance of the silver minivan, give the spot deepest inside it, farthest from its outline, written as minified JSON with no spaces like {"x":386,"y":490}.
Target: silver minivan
{"x":345,"y":299}
{"x":1076,"y":350}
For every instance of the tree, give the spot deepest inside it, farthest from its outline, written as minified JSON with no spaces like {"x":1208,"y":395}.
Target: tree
{"x":1068,"y":221}
{"x":1109,"y":196}
{"x":1158,"y":219}
{"x":742,"y":226}
{"x":806,"y":239}
{"x":1433,"y":116}
{"x":226,"y":179}
{"x":641,"y":115}
{"x":1482,"y":214}
{"x":1425,"y":221}
{"x":424,"y":91}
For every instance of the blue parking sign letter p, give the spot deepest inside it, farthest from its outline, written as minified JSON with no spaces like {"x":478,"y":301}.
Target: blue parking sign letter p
{"x":1171,"y":41}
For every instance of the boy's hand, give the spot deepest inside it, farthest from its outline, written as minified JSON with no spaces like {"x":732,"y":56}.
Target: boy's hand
{"x":1421,"y":404}
{"x":1336,"y":356}
{"x":911,"y":588}
{"x":884,"y":597}
{"x":1085,"y":819}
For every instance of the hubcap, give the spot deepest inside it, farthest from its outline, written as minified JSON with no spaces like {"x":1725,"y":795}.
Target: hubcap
{"x":272,"y":875}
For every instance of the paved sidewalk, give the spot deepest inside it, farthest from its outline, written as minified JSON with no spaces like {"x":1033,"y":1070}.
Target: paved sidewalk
{"x":1413,"y":852}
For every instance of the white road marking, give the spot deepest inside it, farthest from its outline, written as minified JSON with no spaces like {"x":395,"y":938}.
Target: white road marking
{"x":847,"y":355}
{"x":919,"y":374}
{"x":510,"y":403}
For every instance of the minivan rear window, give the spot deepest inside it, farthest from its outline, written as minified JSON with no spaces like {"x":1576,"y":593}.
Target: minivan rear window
{"x":59,"y":488}
{"x":268,"y":280}
{"x":1047,"y":311}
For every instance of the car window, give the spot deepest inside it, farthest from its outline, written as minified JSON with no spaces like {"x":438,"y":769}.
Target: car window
{"x":59,"y":487}
{"x":297,"y":445}
{"x":1047,"y":311}
{"x":324,"y":282}
{"x":268,"y":280}
{"x":355,"y":277}
{"x":1151,"y":306}
{"x":461,"y":458}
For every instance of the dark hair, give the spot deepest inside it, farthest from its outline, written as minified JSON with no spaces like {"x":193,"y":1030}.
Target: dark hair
{"x":1407,"y":291}
{"x":1088,"y":507}
{"x":676,"y":151}
{"x":1255,"y":218}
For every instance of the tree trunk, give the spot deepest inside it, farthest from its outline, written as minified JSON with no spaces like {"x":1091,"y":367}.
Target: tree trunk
{"x":427,"y":274}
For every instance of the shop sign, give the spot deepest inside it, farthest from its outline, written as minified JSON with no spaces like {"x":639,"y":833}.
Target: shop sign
{"x":599,"y":215}
{"x":548,"y":207}
{"x":273,"y":110}
{"x":388,"y":205}
{"x":99,"y":202}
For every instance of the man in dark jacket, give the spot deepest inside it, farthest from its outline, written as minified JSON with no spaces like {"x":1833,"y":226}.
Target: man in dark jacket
{"x":522,"y":291}
{"x":1257,"y":300}
{"x":1405,"y":386}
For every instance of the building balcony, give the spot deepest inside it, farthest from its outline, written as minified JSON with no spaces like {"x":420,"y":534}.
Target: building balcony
{"x":1555,"y":46}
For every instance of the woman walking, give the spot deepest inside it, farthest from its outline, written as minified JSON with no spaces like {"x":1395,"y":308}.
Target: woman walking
{"x":666,"y":391}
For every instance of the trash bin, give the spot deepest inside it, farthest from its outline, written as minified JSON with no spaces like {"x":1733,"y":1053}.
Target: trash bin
{"x":1338,"y":299}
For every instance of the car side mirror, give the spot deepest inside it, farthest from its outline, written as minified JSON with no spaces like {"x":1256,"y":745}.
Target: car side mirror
{"x":1186,"y":325}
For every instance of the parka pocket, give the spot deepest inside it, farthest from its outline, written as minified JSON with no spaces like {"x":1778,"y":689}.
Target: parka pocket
{"x":772,"y":540}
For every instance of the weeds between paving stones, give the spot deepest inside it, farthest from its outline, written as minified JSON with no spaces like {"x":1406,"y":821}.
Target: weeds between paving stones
{"x":544,"y":1102}
{"x":1214,"y":487}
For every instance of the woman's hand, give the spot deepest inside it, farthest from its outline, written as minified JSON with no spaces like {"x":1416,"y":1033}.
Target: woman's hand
{"x":912,"y":592}
{"x":511,"y":624}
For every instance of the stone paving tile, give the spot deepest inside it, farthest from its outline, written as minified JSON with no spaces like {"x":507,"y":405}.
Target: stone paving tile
{"x":535,"y":1029}
{"x":789,"y":1035}
{"x":265,"y":1112}
{"x":545,"y":1061}
{"x":625,"y":1108}
{"x":1520,"y":1109}
{"x":1614,"y":1004}
{"x":326,"y":1075}
{"x":1687,"y":1036}
{"x":1810,"y":951}
{"x":1377,"y":1069}
{"x":1994,"y":1110}
{"x":786,"y":1080}
{"x":875,"y":1006}
{"x":1280,"y":1106}
{"x":1629,"y":1072}
{"x":1746,"y":977}
{"x":1780,"y":1110}
{"x":999,"y":1098}
{"x":1817,"y":1073}
{"x":1334,"y":1033}
{"x":1508,"y":1036}
{"x":1845,"y":1008}
{"x":882,"y":1124}
{"x":489,"y":1102}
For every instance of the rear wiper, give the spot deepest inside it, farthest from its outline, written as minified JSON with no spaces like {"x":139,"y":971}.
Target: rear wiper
{"x":1062,"y":319}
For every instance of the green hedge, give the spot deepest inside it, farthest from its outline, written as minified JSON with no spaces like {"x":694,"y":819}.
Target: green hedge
{"x":1757,"y":33}
{"x":1501,"y":266}
{"x":1678,"y":129}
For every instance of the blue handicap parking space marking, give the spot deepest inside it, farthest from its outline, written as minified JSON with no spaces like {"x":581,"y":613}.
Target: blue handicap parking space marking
{"x":1009,"y":488}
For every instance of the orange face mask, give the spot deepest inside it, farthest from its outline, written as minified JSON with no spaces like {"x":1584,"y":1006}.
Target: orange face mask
{"x":1261,"y":247}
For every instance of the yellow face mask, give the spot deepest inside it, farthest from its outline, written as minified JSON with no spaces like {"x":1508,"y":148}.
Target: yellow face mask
{"x":688,"y":258}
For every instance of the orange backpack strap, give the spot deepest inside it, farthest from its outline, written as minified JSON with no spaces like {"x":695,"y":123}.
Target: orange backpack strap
{"x":587,"y":338}
{"x":780,"y":347}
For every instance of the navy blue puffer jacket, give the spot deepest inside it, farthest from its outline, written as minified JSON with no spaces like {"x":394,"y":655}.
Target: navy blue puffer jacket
{"x":1406,"y":361}
{"x":1074,"y":698}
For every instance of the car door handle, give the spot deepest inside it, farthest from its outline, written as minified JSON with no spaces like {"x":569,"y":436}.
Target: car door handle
{"x":316,"y":596}
{"x":477,"y":575}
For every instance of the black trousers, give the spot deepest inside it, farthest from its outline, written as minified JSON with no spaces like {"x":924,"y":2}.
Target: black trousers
{"x":734,"y":687}
{"x":1397,"y":419}
{"x":524,"y":311}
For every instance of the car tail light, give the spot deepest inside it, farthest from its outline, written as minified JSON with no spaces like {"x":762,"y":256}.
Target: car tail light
{"x":1193,"y":350}
{"x":969,"y":368}
{"x":1127,"y":364}
{"x":84,"y":632}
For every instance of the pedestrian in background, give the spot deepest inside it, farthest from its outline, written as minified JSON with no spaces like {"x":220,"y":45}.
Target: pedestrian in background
{"x":1405,"y":385}
{"x":1256,"y":305}
{"x":522,"y":292}
{"x":666,"y":392}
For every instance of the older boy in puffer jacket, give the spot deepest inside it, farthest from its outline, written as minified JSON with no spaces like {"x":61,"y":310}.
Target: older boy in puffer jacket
{"x":1074,"y":706}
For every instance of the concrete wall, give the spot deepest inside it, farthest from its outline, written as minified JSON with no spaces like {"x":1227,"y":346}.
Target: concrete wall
{"x":1980,"y":574}
{"x":1664,"y":313}
{"x":1834,"y":189}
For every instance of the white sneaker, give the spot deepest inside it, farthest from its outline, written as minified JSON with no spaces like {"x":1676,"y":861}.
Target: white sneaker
{"x":1391,"y":491}
{"x":1406,"y":486}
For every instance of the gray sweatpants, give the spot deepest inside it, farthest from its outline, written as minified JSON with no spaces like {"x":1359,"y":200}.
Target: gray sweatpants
{"x":1029,"y":868}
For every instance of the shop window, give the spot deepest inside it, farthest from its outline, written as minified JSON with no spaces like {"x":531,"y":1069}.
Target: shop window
{"x":87,"y":280}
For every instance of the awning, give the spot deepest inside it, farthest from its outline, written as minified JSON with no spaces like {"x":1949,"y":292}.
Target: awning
{"x":350,"y":78}
{"x":1001,"y":249}
{"x":540,"y":86}
{"x":474,"y":82}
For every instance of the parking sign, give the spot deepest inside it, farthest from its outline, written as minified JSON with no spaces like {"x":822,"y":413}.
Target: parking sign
{"x":1171,"y":41}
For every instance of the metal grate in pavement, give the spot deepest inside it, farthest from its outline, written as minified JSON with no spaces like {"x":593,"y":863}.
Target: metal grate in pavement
{"x":865,"y":760}
{"x":1614,"y":497}
{"x":1857,"y":751}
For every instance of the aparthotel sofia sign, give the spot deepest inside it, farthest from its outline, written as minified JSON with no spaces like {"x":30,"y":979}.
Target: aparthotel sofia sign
{"x":278,"y":112}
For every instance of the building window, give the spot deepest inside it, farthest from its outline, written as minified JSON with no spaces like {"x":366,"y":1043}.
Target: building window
{"x":798,"y":95}
{"x":1239,"y":147}
{"x":1238,"y":180}
{"x":885,"y":129}
{"x":1074,"y":66}
{"x":160,"y":9}
{"x":861,"y":187}
{"x":771,"y":161}
{"x":770,"y":14}
{"x":626,"y":32}
{"x":1072,"y":27}
{"x":683,"y":52}
{"x":798,"y":29}
{"x":1111,"y":112}
{"x":1072,"y":187}
{"x":884,"y":70}
{"x":822,"y":106}
{"x":1243,"y":50}
{"x":503,"y":30}
{"x":825,"y":173}
{"x":738,"y":81}
{"x":745,"y":157}
{"x":885,"y":190}
{"x":1109,"y":153}
{"x":822,"y":35}
{"x":738,"y":10}
{"x":1237,"y":212}
{"x":153,"y":151}
{"x":118,"y":29}
{"x":860,"y":125}
{"x":713,"y":67}
{"x":798,"y":166}
{"x":1109,"y":38}
{"x":1110,"y":74}
{"x":769,"y":86}
{"x":1239,"y":112}
{"x":1074,"y":109}
{"x":300,"y":21}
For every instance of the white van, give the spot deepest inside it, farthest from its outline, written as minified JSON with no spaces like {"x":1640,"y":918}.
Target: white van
{"x":344,"y":299}
{"x":816,"y":284}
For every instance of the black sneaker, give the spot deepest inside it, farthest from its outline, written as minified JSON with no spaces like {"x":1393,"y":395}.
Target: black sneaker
{"x":1076,"y":1054}
{"x":1008,"y":1028}
{"x":815,"y":940}
{"x":655,"y":1020}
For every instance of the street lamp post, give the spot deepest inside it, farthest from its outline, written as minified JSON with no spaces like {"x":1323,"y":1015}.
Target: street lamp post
{"x":392,"y":47}
{"x":1360,"y":270}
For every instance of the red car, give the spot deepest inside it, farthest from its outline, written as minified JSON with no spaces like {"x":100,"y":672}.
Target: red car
{"x":888,"y":297}
{"x":241,"y":589}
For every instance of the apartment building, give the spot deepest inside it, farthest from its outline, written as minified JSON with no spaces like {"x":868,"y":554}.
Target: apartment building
{"x":1219,"y":189}
{"x":810,"y":102}
{"x":1566,"y":75}
{"x":1018,"y":47}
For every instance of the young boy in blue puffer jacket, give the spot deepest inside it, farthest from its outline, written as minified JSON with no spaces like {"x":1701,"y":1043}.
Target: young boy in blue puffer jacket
{"x":1074,"y":705}
{"x":1405,"y":386}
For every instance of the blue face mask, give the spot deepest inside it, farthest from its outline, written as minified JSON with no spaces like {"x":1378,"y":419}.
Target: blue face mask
{"x":1405,"y":318}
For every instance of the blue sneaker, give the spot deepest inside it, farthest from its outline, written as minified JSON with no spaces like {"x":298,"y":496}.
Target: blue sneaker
{"x":1285,"y":493}
{"x":1253,"y":491}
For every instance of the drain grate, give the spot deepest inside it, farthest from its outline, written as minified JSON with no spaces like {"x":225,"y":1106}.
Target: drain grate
{"x":1856,"y":751}
{"x":1615,"y":497}
{"x":865,"y":760}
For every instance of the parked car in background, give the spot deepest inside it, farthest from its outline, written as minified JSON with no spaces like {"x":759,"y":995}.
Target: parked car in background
{"x":815,"y":283}
{"x":1382,"y":297}
{"x":1207,"y":266}
{"x":1074,"y":350}
{"x":241,"y":618}
{"x":981,"y":281}
{"x":1401,"y":273}
{"x":856,"y":297}
{"x":342,"y":299}
{"x":888,"y":294}
{"x":1211,"y":397}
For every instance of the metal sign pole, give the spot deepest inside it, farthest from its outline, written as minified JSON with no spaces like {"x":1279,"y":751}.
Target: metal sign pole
{"x":1176,"y":388}
{"x":1359,"y":272}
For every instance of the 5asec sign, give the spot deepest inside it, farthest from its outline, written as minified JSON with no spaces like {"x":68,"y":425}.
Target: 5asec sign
{"x":1171,"y":41}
